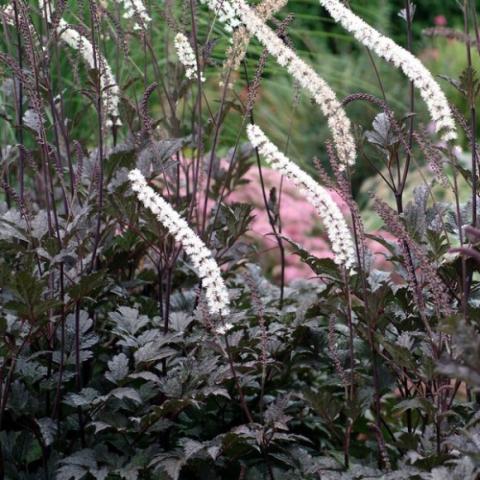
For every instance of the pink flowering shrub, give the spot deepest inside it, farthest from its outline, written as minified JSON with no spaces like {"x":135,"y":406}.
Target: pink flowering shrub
{"x":300,"y":223}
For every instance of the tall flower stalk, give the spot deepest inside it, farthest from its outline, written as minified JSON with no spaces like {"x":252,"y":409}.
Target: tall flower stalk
{"x":401,"y":58}
{"x":201,"y":257}
{"x":335,"y":224}
{"x":235,"y":14}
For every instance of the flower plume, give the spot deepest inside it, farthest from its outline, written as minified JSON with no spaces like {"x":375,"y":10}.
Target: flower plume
{"x":207,"y":269}
{"x":136,"y":10}
{"x":237,"y":13}
{"x":335,"y":224}
{"x":411,"y":66}
{"x":108,"y":85}
{"x":187,"y":58}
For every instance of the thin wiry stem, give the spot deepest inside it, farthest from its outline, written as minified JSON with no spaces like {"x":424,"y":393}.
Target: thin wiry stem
{"x":98,"y":96}
{"x":271,"y":219}
{"x":19,"y":108}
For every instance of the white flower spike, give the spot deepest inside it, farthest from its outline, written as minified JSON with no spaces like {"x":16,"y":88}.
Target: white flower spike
{"x":235,"y":13}
{"x":335,"y":224}
{"x":108,"y":85}
{"x":186,"y":55}
{"x":207,"y":269}
{"x":135,"y":9}
{"x":411,"y":66}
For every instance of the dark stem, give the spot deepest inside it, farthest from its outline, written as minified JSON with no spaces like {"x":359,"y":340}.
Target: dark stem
{"x":267,"y":208}
{"x":411,"y":120}
{"x":98,"y":92}
{"x":214,"y":146}
{"x":199,"y":140}
{"x":78,"y":371}
{"x":21,"y":167}
{"x":471,"y":103}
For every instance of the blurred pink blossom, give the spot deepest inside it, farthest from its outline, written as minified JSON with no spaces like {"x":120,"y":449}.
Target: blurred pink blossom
{"x":440,"y":21}
{"x":299,"y":221}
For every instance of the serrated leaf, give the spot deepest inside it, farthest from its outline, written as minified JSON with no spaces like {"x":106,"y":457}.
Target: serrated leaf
{"x":33,"y":120}
{"x":99,"y":426}
{"x":214,"y":452}
{"x":117,"y":368}
{"x":126,"y":392}
{"x":70,"y":472}
{"x":321,"y":266}
{"x":84,"y":458}
{"x":415,"y":403}
{"x":382,"y":135}
{"x":191,"y":447}
{"x":82,"y":399}
{"x":172,"y":466}
{"x":158,"y":152}
{"x":48,"y":430}
{"x":127,"y":321}
{"x":128,"y":473}
{"x":99,"y":474}
{"x":86,"y":285}
{"x":147,"y":376}
{"x":377,"y":279}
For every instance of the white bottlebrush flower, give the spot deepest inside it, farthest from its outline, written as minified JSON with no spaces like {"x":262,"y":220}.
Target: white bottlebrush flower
{"x":186,"y":55}
{"x":226,"y":12}
{"x":411,"y":66}
{"x":335,"y":224}
{"x":235,"y":13}
{"x":108,"y":85}
{"x":216,"y":293}
{"x":136,"y":10}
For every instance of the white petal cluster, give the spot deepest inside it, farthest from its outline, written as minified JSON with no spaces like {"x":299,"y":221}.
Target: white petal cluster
{"x":335,"y":224}
{"x":223,"y":329}
{"x":186,"y":55}
{"x":136,"y":9}
{"x":110,"y":90}
{"x":237,"y":11}
{"x":226,"y":12}
{"x":411,"y":66}
{"x":207,"y":269}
